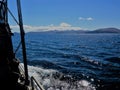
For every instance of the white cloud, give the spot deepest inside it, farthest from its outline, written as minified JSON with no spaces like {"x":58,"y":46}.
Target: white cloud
{"x":81,"y":18}
{"x":89,"y":19}
{"x":62,"y":27}
{"x":65,"y":25}
{"x":85,"y":19}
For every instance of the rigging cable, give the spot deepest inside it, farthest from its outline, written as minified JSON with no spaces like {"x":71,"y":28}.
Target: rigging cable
{"x":12,"y":16}
{"x":22,"y":42}
{"x":18,"y":47}
{"x":17,"y":24}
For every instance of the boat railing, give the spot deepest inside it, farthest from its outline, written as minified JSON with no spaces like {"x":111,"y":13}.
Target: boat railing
{"x":34,"y":84}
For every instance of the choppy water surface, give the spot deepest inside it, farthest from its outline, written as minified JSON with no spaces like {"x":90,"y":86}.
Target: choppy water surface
{"x":74,"y":62}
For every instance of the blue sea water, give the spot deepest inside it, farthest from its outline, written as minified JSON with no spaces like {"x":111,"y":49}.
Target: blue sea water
{"x":79,"y":61}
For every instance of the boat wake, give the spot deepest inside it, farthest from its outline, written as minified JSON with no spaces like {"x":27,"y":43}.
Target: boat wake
{"x":54,"y":80}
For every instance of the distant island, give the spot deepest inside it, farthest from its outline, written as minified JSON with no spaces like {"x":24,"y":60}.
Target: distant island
{"x":106,"y":30}
{"x":97,"y":31}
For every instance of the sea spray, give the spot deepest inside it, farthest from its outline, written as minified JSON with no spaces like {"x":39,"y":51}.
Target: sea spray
{"x":54,"y":80}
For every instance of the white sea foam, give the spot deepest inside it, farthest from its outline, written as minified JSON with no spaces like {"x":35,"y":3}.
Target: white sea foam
{"x":47,"y":79}
{"x":51,"y":82}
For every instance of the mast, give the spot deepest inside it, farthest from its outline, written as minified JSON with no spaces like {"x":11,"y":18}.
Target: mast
{"x":23,"y":41}
{"x":3,"y":11}
{"x":5,"y":29}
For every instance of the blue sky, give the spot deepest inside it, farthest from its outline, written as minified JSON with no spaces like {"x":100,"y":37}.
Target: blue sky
{"x":68,"y":14}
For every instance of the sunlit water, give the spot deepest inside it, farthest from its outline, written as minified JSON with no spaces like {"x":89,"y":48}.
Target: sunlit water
{"x":73,"y":62}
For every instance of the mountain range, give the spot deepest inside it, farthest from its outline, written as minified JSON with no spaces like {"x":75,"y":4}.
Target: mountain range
{"x":106,"y":30}
{"x":97,"y":31}
{"x":101,"y":30}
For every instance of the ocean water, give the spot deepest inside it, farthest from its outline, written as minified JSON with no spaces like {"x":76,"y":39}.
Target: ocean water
{"x":73,"y":61}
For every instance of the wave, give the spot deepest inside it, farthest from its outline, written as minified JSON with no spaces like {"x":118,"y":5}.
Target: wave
{"x":55,"y":80}
{"x":113,"y":59}
{"x":44,"y":64}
